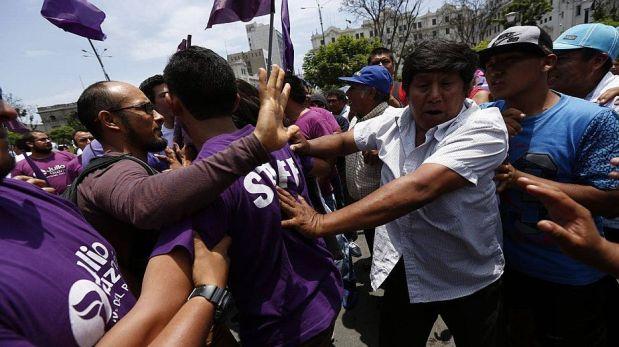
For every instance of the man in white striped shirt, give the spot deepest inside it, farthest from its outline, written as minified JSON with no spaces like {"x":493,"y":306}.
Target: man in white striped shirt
{"x":440,"y":251}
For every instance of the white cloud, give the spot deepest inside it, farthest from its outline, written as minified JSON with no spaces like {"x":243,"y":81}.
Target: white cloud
{"x":36,"y":53}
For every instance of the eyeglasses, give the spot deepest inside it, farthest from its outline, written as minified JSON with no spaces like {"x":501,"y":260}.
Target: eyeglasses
{"x":381,"y":62}
{"x":147,"y":107}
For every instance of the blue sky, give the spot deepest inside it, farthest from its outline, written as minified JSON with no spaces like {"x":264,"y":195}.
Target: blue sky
{"x":43,"y":65}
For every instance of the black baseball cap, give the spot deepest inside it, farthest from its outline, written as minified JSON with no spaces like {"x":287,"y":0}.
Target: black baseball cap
{"x":518,"y":38}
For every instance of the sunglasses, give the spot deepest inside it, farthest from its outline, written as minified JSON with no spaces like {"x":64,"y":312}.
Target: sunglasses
{"x":147,"y":107}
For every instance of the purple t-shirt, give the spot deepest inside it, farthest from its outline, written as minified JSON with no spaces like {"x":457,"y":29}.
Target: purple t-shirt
{"x":74,"y":168}
{"x":315,"y":123}
{"x":59,"y":280}
{"x":54,"y":168}
{"x":286,"y":286}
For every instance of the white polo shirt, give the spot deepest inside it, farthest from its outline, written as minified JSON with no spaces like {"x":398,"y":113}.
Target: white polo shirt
{"x":451,"y":247}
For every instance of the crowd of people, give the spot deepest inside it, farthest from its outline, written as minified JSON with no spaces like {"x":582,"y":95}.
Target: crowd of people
{"x":483,"y":182}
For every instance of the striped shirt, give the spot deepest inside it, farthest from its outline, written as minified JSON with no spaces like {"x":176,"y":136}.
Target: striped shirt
{"x":452,"y":247}
{"x":362,"y":178}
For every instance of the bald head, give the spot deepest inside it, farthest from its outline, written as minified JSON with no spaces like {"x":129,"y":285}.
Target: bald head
{"x":103,"y":96}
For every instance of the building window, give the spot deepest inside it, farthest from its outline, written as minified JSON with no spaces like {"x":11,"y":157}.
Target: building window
{"x":549,"y":18}
{"x":371,"y":33}
{"x":322,"y":42}
{"x":361,"y":35}
{"x":419,"y":25}
{"x":446,"y":31}
{"x":388,"y":30}
{"x":333,"y":39}
{"x":446,"y":19}
{"x":578,"y":9}
{"x":434,"y":33}
{"x":357,"y":36}
{"x":433,"y":21}
{"x":52,"y":118}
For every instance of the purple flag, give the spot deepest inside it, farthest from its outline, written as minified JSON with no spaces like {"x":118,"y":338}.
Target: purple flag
{"x":228,"y":11}
{"x":15,"y":126}
{"x":75,"y":16}
{"x":288,"y":59}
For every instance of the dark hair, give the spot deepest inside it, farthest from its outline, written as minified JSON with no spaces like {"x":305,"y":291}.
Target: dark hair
{"x":249,"y":105}
{"x":340,"y":95}
{"x":440,"y":55}
{"x":29,"y":136}
{"x":203,"y":81}
{"x":148,"y":86}
{"x":589,"y":53}
{"x":75,"y":133}
{"x":298,"y":93}
{"x":21,"y":144}
{"x":380,"y":51}
{"x":380,"y":96}
{"x":93,"y":100}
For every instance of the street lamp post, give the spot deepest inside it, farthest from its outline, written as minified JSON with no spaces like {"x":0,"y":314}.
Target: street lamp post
{"x":322,"y":29}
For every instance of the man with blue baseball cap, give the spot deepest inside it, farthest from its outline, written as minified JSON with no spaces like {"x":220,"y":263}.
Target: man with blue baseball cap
{"x":369,"y":96}
{"x":585,"y":56}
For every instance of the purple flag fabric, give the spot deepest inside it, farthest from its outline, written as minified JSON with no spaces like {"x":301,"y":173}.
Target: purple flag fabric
{"x":75,"y":16}
{"x":228,"y":11}
{"x":288,"y":59}
{"x":15,"y":126}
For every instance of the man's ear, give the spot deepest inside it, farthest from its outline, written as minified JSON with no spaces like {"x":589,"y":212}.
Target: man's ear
{"x":236,"y":103}
{"x":175,"y":104}
{"x":549,"y":62}
{"x":599,"y":60}
{"x":108,"y":121}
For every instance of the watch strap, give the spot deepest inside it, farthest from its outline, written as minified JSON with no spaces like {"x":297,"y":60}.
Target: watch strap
{"x":217,"y":296}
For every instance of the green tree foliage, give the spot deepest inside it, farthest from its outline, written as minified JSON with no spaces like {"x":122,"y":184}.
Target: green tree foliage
{"x":75,"y":123}
{"x":481,"y":45}
{"x":62,"y":135}
{"x":529,"y":11}
{"x":343,"y":57}
{"x":606,"y":12}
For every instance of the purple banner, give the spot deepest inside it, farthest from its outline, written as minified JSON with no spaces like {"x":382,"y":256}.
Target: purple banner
{"x":75,"y":16}
{"x":228,"y":11}
{"x":288,"y":58}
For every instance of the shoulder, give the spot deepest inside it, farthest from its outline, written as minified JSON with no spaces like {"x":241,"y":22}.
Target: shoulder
{"x":221,"y":142}
{"x":64,"y":155}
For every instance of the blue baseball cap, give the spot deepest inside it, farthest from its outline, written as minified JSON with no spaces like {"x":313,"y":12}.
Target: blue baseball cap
{"x":375,"y":76}
{"x":601,"y":37}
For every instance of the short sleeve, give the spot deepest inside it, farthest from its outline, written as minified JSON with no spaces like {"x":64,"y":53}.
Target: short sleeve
{"x":179,"y":235}
{"x":367,"y":133}
{"x":474,"y":150}
{"x":598,"y":145}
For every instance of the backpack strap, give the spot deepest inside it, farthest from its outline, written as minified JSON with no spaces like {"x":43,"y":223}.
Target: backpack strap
{"x":100,"y":163}
{"x":35,"y":169}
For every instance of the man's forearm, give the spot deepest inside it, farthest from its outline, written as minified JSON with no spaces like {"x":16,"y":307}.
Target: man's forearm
{"x":331,"y":146}
{"x":168,"y":197}
{"x":599,"y":202}
{"x":388,"y":203}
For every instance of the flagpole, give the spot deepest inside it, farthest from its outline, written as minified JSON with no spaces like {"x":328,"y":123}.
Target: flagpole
{"x":99,"y":59}
{"x":270,"y":54}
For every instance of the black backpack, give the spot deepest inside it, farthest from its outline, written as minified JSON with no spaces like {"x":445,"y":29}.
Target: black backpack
{"x":97,"y":164}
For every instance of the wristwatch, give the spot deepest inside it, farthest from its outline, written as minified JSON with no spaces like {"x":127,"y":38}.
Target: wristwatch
{"x":220,"y":297}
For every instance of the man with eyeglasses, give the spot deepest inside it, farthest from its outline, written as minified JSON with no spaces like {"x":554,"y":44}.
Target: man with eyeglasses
{"x":44,"y":163}
{"x":566,"y":143}
{"x":126,"y":202}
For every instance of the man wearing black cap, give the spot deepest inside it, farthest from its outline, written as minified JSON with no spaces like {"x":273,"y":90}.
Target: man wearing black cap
{"x":567,"y":143}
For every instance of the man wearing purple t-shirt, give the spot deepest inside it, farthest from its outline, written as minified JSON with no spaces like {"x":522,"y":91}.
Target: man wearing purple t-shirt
{"x":44,"y":163}
{"x":285,"y":286}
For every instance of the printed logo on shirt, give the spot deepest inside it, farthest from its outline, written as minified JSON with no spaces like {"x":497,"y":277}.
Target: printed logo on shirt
{"x":264,"y":193}
{"x":94,"y":303}
{"x":56,"y":170}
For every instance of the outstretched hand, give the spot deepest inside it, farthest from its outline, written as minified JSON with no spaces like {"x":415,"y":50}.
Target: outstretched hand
{"x":572,"y":226}
{"x":270,"y":129}
{"x":609,"y":95}
{"x":301,"y":216}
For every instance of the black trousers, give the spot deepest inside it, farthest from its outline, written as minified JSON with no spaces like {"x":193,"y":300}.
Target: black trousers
{"x":541,"y":313}
{"x":474,"y":320}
